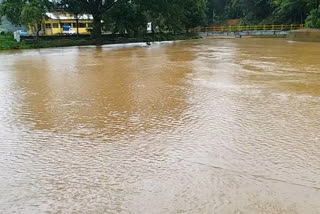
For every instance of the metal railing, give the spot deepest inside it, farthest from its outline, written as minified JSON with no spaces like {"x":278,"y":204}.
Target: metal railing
{"x":239,"y":28}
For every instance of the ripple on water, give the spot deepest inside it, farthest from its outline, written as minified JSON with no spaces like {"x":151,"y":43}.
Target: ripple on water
{"x":208,"y":126}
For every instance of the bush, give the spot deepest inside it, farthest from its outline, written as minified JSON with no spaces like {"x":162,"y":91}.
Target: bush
{"x":5,"y":33}
{"x":313,"y":20}
{"x":7,"y":42}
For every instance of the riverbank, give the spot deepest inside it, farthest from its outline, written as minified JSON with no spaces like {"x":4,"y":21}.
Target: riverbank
{"x":256,"y":36}
{"x":7,"y":42}
{"x":304,"y":35}
{"x":269,"y":36}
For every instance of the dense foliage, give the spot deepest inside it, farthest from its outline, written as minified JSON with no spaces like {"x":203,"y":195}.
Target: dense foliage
{"x":29,"y":13}
{"x":165,"y":15}
{"x":262,"y":11}
{"x":313,"y":20}
{"x":175,"y":16}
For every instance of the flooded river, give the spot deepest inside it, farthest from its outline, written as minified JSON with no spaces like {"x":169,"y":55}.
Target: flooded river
{"x":204,"y":126}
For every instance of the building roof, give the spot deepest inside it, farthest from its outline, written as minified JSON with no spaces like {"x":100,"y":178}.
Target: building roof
{"x":67,"y":16}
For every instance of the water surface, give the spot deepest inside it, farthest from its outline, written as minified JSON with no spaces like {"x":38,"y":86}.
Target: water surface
{"x":204,"y":126}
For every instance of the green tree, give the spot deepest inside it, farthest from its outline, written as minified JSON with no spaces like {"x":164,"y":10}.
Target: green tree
{"x":175,"y":15}
{"x":253,"y":11}
{"x":291,"y":11}
{"x":33,"y":13}
{"x":75,"y":7}
{"x":156,"y":12}
{"x":219,"y":10}
{"x":194,"y":13}
{"x":97,"y":8}
{"x":30,"y":13}
{"x":126,"y":17}
{"x":12,"y":9}
{"x":313,"y":20}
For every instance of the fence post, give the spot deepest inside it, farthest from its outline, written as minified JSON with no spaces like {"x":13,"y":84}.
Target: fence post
{"x":264,"y":27}
{"x":291,"y":27}
{"x":282,"y":27}
{"x":272,"y":27}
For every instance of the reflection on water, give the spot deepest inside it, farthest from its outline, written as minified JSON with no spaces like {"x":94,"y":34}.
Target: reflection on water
{"x":207,"y":126}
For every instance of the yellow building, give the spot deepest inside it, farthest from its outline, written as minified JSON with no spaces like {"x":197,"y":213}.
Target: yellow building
{"x":55,"y":21}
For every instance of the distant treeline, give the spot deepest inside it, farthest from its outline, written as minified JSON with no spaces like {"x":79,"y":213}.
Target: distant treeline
{"x":175,"y":16}
{"x":265,"y":11}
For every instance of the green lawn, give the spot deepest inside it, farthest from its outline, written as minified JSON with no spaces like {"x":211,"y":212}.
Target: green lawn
{"x":7,"y":42}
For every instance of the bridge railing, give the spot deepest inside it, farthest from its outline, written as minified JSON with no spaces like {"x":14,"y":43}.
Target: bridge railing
{"x":239,"y":28}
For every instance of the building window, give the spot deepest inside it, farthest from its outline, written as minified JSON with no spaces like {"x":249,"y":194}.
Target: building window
{"x":55,"y":25}
{"x":82,"y":25}
{"x":48,"y":26}
{"x":65,"y":24}
{"x":90,"y":25}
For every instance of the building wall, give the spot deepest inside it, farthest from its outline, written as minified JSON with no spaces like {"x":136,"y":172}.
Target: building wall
{"x":245,"y":33}
{"x":54,"y":27}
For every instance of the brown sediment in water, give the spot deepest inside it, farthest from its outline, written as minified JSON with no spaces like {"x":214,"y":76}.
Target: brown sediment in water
{"x":304,"y":35}
{"x":222,"y":126}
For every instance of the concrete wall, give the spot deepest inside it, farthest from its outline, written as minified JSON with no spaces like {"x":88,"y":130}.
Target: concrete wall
{"x":304,"y":35}
{"x":296,"y":35}
{"x":245,"y":33}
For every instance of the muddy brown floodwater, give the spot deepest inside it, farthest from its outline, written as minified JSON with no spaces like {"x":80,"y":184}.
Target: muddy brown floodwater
{"x":204,"y":126}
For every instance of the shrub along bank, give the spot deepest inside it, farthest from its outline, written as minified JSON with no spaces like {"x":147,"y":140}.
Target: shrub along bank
{"x":7,"y":42}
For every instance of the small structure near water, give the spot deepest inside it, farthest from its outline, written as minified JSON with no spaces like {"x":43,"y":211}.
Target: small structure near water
{"x":304,"y":35}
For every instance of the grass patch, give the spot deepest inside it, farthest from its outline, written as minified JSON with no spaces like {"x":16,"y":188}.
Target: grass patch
{"x":7,"y":42}
{"x":59,"y":43}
